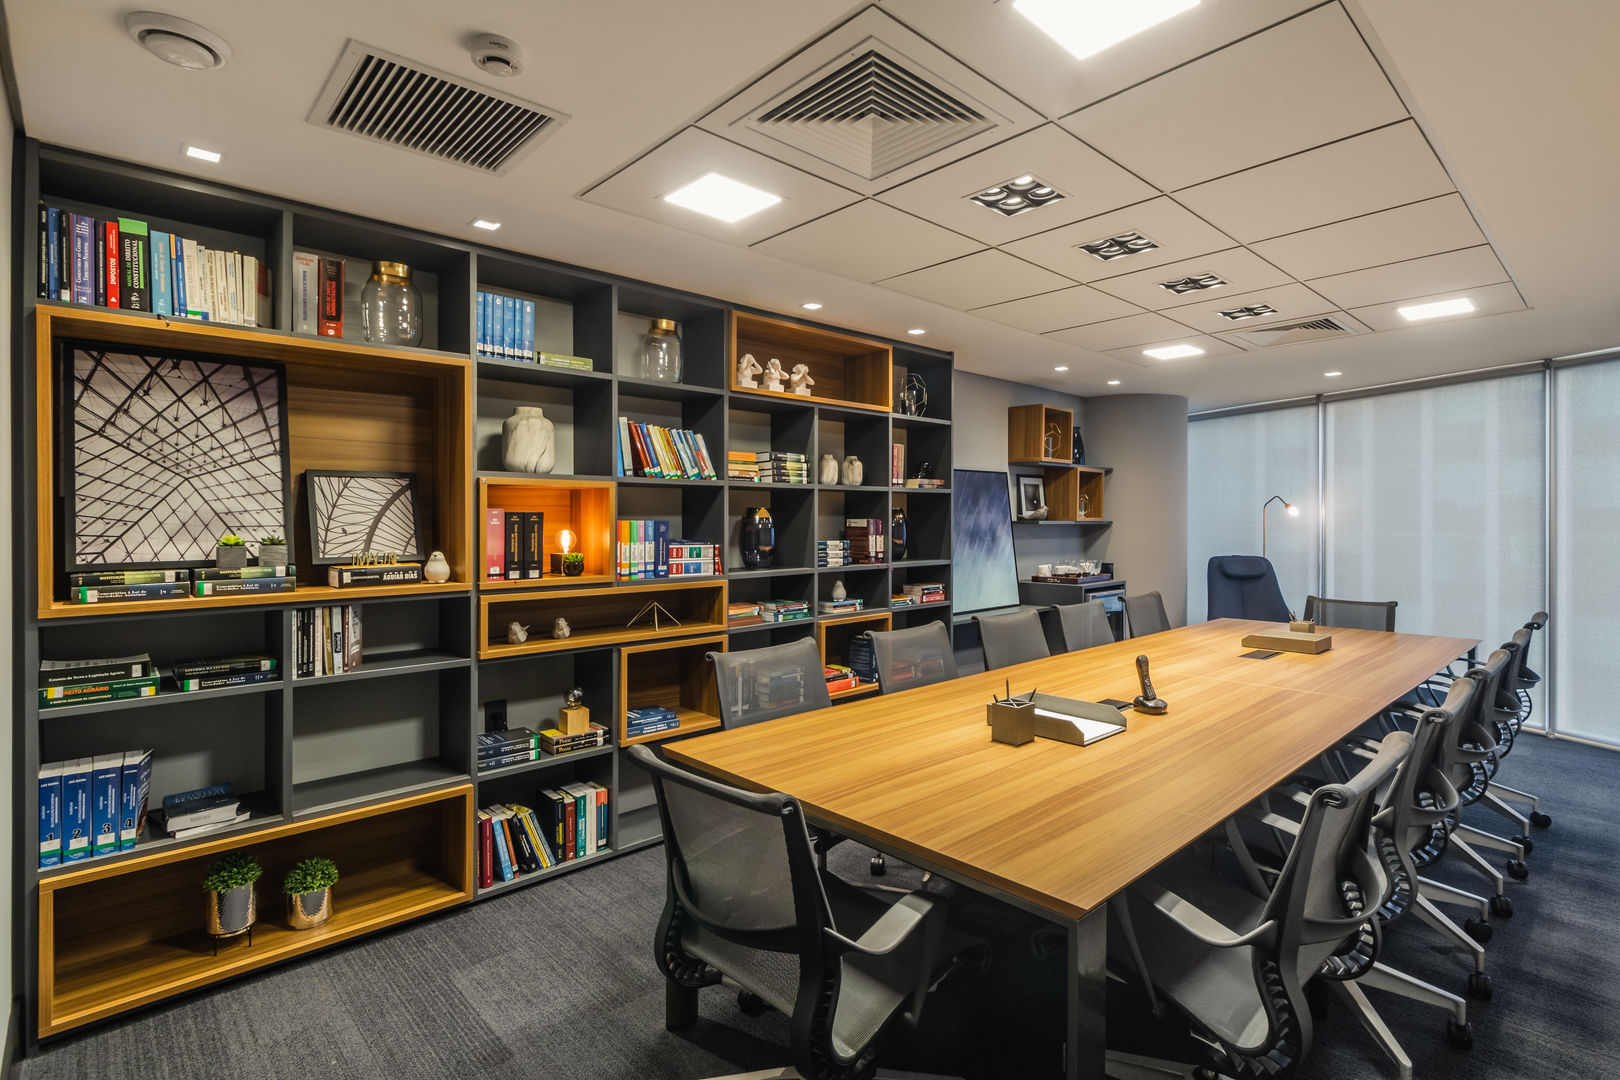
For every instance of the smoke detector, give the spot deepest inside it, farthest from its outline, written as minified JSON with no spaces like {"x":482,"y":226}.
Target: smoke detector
{"x":496,"y":55}
{"x":177,"y":41}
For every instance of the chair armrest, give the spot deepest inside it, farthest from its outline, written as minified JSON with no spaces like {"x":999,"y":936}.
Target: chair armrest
{"x":892,"y":928}
{"x":1199,"y":923}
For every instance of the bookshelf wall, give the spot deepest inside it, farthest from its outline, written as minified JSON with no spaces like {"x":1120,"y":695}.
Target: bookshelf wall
{"x":384,"y":756}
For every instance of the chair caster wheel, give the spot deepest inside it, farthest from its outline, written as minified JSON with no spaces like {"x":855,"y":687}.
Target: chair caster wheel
{"x":1460,"y":1035}
{"x":1479,"y":930}
{"x":1517,"y":870}
{"x":879,"y":866}
{"x":751,"y":1004}
{"x":1479,"y":986}
{"x":1502,"y":905}
{"x":1540,"y":820}
{"x":1525,"y":842}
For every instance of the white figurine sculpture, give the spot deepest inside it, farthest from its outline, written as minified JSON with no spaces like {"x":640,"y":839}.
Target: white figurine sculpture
{"x":801,"y":380}
{"x":561,"y":629}
{"x":747,"y":368}
{"x":774,"y":375}
{"x":516,"y":633}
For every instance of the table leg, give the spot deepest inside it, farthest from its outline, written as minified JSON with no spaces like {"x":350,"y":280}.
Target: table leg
{"x":1087,"y":1020}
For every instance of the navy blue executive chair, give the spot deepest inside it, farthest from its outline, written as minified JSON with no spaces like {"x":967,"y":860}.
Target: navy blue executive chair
{"x":1245,"y":587}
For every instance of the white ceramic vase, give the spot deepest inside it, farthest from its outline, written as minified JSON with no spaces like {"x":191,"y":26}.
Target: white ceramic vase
{"x":528,"y":441}
{"x":829,"y":469}
{"x":853,"y":473}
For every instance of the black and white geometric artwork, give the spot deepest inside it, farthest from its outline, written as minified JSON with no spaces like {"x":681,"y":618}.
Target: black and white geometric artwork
{"x":363,"y":513}
{"x":169,"y":453}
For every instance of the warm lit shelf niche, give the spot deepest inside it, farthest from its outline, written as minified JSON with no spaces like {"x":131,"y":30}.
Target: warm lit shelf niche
{"x":583,"y":507}
{"x":849,"y":371}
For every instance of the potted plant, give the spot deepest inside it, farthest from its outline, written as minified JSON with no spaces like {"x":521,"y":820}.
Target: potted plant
{"x":230,"y":553}
{"x":273,"y":551}
{"x":231,"y":904}
{"x":308,"y":886}
{"x":573,"y":564}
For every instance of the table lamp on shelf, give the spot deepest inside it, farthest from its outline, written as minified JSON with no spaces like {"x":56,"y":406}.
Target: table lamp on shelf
{"x":568,"y":562}
{"x":1293,"y":511}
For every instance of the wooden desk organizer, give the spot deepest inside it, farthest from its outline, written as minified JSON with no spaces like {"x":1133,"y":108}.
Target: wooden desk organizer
{"x":1288,"y":641}
{"x":1011,"y":722}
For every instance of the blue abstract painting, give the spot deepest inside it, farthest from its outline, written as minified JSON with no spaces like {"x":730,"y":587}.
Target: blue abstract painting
{"x":986,"y":575}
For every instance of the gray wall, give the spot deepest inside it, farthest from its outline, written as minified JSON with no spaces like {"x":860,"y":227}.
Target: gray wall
{"x":1144,"y":438}
{"x":7,"y":988}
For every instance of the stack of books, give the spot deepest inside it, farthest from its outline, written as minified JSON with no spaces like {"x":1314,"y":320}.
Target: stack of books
{"x":743,"y":614}
{"x":772,"y":691}
{"x":918,"y":483}
{"x":847,"y":606}
{"x":508,"y":746}
{"x":901,"y":600}
{"x":122,"y":586}
{"x":555,"y":743}
{"x":203,"y":811}
{"x":782,"y":467}
{"x":645,"y":550}
{"x":741,"y":465}
{"x":317,"y":299}
{"x":243,"y":580}
{"x":514,"y":544}
{"x":862,"y":659}
{"x":122,"y":263}
{"x":92,"y":806}
{"x":832,"y":552}
{"x":213,"y":673}
{"x":865,"y":536}
{"x":391,"y":573}
{"x":327,"y":640}
{"x":71,"y":682}
{"x":925,"y":592}
{"x":839,"y":678}
{"x":784,"y":610}
{"x":649,"y":720}
{"x":505,"y":327}
{"x":670,"y":453}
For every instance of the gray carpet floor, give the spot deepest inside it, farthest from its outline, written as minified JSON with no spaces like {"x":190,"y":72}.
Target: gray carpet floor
{"x":559,"y":981}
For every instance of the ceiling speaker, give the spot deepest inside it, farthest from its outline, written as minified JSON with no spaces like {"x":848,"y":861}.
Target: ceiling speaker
{"x":177,"y":41}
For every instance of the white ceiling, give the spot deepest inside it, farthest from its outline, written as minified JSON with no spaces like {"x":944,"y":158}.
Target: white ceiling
{"x":1334,"y":159}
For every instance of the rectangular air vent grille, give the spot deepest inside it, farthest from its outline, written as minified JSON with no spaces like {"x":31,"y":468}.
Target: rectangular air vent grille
{"x":1294,"y":333}
{"x":386,"y":98}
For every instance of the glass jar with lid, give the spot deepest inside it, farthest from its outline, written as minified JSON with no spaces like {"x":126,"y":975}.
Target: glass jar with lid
{"x":661,"y":352}
{"x":390,"y":306}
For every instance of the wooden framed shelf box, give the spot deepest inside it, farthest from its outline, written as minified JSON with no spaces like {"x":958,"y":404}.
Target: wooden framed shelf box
{"x":833,"y":636}
{"x":848,"y":370}
{"x":601,"y":616}
{"x":1027,"y":427}
{"x":674,"y":674}
{"x":583,"y":507}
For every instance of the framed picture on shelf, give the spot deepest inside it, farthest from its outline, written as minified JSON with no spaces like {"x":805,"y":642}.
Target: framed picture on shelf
{"x":1031,"y":498}
{"x":357,"y":513}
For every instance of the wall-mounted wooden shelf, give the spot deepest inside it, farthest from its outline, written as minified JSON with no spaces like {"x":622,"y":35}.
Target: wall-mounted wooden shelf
{"x":599,"y":616}
{"x":674,"y":674}
{"x":1027,"y":426}
{"x":849,"y":372}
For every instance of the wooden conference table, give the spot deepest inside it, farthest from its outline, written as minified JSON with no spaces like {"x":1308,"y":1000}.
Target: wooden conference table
{"x":1057,"y":828}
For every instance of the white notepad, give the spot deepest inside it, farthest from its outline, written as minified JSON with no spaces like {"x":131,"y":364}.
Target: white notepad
{"x":1090,"y":730}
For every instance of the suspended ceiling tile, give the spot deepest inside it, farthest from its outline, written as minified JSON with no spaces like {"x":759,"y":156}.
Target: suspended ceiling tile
{"x":988,"y":277}
{"x":1301,"y":84}
{"x":1490,"y":300}
{"x":1145,"y":329}
{"x":1056,"y":310}
{"x":1090,"y":183}
{"x":1375,"y":171}
{"x":1241,"y":269}
{"x":996,"y":40}
{"x":1415,"y":277}
{"x":1293,"y":302}
{"x":1214,"y":349}
{"x":1406,"y":232}
{"x":1178,"y":232}
{"x":868,"y":242}
{"x":639,"y":188}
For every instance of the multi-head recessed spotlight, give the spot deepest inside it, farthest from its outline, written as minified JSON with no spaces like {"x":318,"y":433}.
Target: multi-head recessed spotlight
{"x":1017,"y":196}
{"x":1192,"y":283}
{"x":1252,"y":311}
{"x":1110,"y":248}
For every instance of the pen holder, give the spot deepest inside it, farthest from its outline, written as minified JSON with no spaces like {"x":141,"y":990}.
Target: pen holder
{"x":1300,"y":626}
{"x":1011,"y":722}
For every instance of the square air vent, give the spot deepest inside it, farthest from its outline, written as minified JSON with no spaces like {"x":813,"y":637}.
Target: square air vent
{"x":1110,"y":248}
{"x":1253,"y":311}
{"x":1294,"y":333}
{"x":386,"y":98}
{"x":1192,"y":283}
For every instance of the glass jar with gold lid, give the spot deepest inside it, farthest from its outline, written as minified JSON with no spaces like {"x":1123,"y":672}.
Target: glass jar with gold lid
{"x":661,"y":352}
{"x":390,"y":306}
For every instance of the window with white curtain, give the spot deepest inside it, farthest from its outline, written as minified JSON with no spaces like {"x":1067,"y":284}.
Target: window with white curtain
{"x":1234,"y":464}
{"x":1587,"y":599}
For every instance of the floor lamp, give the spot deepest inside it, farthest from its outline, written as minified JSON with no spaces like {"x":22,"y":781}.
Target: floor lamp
{"x":1293,"y":511}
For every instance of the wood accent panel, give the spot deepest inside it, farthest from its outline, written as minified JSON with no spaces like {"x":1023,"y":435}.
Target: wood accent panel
{"x":1026,"y":433}
{"x":1069,"y":826}
{"x":130,"y":933}
{"x":833,"y":636}
{"x":584,"y":507}
{"x":674,"y":674}
{"x":598,"y":616}
{"x":848,"y":371}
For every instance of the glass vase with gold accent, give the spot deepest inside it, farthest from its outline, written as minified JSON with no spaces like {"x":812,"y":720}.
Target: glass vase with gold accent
{"x":390,"y":306}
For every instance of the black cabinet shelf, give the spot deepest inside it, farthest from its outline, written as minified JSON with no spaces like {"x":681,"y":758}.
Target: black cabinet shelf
{"x":381,"y":667}
{"x":315,"y":797}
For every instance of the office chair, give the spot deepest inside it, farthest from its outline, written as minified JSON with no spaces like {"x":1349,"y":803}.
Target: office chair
{"x":916,"y":656}
{"x":747,"y":906}
{"x":1245,"y":587}
{"x":1085,"y":625}
{"x":1011,"y":639}
{"x":1145,"y":614}
{"x":770,"y":682}
{"x":1514,"y":700}
{"x":1352,"y":614}
{"x":1235,"y":960}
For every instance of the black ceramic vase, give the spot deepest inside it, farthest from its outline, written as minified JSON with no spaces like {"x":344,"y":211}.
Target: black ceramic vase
{"x":758,"y":538}
{"x":897,"y":534}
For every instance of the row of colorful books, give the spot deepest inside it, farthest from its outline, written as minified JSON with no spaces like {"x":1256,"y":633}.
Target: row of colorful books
{"x":326,"y":640}
{"x":669,"y":453}
{"x":866,"y":539}
{"x":644,"y":549}
{"x":80,"y":682}
{"x":121,"y":263}
{"x":514,"y":544}
{"x":92,"y":806}
{"x":570,"y":822}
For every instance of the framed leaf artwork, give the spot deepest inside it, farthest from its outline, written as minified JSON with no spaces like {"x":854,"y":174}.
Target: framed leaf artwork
{"x":352,"y":514}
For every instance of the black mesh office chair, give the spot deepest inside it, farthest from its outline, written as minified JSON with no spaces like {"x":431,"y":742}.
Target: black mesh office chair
{"x":1245,"y":587}
{"x":1351,"y":614}
{"x":1011,"y":639}
{"x":1145,"y":614}
{"x":763,"y":684}
{"x":1235,"y":960}
{"x":1514,"y":703}
{"x":916,"y":656}
{"x":1085,"y":625}
{"x":747,"y":906}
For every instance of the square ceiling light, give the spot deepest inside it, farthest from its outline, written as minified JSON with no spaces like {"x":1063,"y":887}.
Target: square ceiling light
{"x":722,"y":198}
{"x":1173,"y":352}
{"x":1018,"y":196}
{"x":1252,"y":311}
{"x":1087,"y":27}
{"x":1192,"y":283}
{"x":1110,"y":248}
{"x":1415,"y":312}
